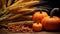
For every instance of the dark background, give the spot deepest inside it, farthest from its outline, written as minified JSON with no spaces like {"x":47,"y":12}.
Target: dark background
{"x":52,"y":4}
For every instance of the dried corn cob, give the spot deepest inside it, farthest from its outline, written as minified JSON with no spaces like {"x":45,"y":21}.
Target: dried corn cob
{"x":24,"y":0}
{"x":23,"y":18}
{"x":23,"y":5}
{"x":19,"y":14}
{"x":4,"y":4}
{"x":2,"y":18}
{"x":15,"y":16}
{"x":26,"y":10}
{"x":27,"y":0}
{"x":28,"y":4}
{"x":16,"y":0}
{"x":15,"y":5}
{"x":9,"y":2}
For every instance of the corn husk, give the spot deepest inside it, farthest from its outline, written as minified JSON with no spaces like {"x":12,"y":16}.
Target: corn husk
{"x":9,"y":3}
{"x":15,"y":5}
{"x":4,"y":4}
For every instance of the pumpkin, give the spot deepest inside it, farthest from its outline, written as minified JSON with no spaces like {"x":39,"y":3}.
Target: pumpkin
{"x":37,"y":26}
{"x":51,"y":23}
{"x":39,"y":15}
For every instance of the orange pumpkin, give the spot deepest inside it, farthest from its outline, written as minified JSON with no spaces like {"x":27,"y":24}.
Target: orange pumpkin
{"x":51,"y":22}
{"x":37,"y":26}
{"x":38,"y":16}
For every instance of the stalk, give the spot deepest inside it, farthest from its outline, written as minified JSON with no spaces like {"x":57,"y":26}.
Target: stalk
{"x":4,"y":4}
{"x":5,"y":17}
{"x":9,"y":2}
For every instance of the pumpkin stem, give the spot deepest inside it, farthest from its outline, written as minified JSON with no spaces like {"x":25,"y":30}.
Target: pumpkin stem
{"x":45,"y":10}
{"x":40,"y":10}
{"x":37,"y":22}
{"x":51,"y":13}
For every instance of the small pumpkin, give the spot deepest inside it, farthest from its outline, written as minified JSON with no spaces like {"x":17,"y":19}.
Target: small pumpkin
{"x":37,"y":26}
{"x":51,"y":23}
{"x":39,"y":15}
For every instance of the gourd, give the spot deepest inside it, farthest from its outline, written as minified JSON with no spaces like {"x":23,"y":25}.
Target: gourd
{"x":51,"y":23}
{"x":39,"y":15}
{"x":37,"y":26}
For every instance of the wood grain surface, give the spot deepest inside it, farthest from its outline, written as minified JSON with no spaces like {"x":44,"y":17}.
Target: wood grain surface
{"x":43,"y":32}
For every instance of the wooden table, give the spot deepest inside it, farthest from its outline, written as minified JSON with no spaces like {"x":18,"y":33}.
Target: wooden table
{"x":43,"y":32}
